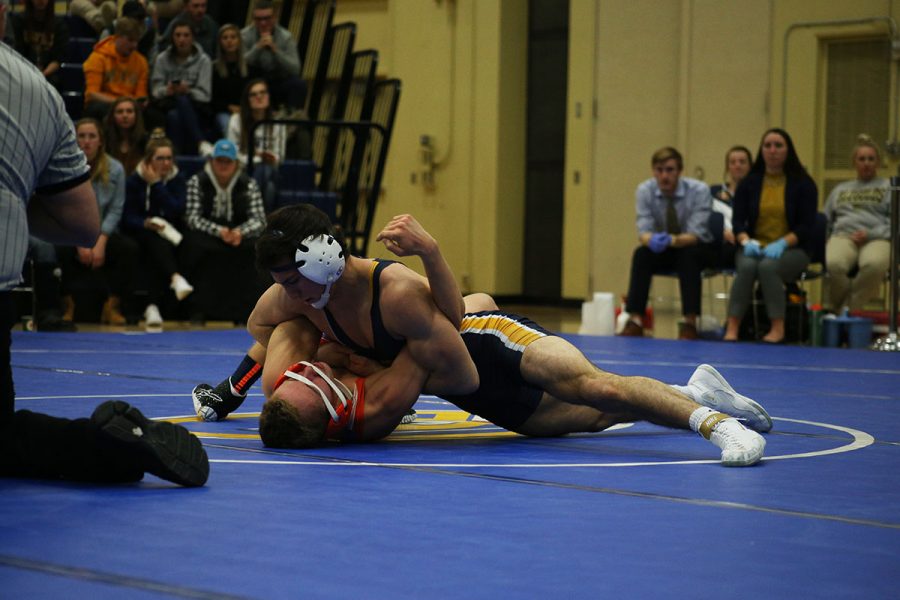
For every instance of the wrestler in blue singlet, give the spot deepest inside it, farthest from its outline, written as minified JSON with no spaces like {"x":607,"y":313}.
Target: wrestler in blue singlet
{"x":496,"y":340}
{"x":386,"y":347}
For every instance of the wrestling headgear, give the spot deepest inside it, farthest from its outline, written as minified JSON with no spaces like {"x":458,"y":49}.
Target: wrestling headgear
{"x":320,"y":259}
{"x":342,"y":394}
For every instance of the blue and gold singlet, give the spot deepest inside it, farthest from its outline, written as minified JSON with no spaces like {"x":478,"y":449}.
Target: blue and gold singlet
{"x":386,"y":347}
{"x":496,"y":341}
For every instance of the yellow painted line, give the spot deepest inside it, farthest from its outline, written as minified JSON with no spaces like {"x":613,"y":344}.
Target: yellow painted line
{"x":422,"y":429}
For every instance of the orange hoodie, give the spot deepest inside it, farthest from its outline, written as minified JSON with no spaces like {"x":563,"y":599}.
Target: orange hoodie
{"x":106,"y":71}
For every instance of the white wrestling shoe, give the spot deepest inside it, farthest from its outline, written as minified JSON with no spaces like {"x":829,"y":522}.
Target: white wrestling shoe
{"x":740,"y":446}
{"x":713,"y":391}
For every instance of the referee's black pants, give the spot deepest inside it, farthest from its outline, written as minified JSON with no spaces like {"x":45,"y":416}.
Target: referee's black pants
{"x":37,"y":445}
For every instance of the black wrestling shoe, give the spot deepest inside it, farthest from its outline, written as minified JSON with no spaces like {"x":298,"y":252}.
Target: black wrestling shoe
{"x":164,"y":449}
{"x":215,"y":403}
{"x":409,"y":417}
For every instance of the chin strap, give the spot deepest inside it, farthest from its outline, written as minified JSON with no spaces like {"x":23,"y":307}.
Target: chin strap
{"x":323,"y":299}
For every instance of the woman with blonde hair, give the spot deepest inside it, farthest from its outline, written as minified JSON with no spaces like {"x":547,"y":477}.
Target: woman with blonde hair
{"x":155,"y":198}
{"x":110,"y":263}
{"x":859,"y":224}
{"x":230,"y":75}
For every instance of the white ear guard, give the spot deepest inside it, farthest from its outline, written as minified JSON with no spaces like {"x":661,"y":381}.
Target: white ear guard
{"x":320,"y":259}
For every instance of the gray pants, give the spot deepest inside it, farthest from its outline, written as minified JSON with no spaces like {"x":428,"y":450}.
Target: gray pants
{"x":771,"y":274}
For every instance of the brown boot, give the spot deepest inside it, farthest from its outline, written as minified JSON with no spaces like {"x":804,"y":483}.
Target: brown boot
{"x":68,"y":304}
{"x":111,"y":314}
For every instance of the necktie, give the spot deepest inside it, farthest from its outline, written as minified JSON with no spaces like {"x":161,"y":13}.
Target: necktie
{"x":672,"y":225}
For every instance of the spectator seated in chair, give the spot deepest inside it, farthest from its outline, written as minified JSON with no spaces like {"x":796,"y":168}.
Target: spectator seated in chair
{"x":154,"y":207}
{"x":737,"y":164}
{"x":126,"y":138}
{"x":271,"y":50}
{"x":204,"y":27}
{"x":134,"y":9}
{"x":181,"y":86}
{"x":269,"y":141}
{"x":774,"y":220}
{"x":41,"y":37}
{"x":224,"y":217}
{"x":108,"y":266}
{"x":115,"y":69}
{"x":859,"y":221}
{"x":229,"y":77}
{"x":673,"y":230}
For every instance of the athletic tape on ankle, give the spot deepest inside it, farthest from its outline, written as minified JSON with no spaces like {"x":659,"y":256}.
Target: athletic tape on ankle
{"x":710,"y":422}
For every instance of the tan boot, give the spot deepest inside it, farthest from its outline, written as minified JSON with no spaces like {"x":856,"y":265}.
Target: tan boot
{"x":111,"y":314}
{"x":68,"y":308}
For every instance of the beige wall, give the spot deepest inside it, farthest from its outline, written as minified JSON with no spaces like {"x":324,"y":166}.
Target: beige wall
{"x":669,"y":73}
{"x":463,"y":74}
{"x":701,"y":75}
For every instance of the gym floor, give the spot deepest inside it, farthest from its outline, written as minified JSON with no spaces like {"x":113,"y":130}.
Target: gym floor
{"x":452,"y":507}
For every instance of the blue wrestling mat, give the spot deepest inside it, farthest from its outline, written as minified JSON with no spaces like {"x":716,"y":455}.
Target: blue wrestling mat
{"x":453,"y":507}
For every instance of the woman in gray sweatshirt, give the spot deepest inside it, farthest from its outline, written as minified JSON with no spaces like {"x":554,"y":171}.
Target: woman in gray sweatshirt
{"x":859,"y":225}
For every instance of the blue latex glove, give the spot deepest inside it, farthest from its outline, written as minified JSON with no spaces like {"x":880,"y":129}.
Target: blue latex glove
{"x":775,"y":249}
{"x":659,"y":242}
{"x":752,"y":249}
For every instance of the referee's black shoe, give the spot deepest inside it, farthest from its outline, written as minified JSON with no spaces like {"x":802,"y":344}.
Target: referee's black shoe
{"x":164,"y":449}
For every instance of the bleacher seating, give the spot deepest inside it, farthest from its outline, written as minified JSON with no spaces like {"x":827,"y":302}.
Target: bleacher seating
{"x":363,"y":195}
{"x":329,"y":92}
{"x":188,"y":164}
{"x":344,"y":179}
{"x":71,"y":86}
{"x":74,"y":102}
{"x":311,"y":43}
{"x":333,"y":90}
{"x":324,"y":201}
{"x":335,"y":157}
{"x":79,"y":49}
{"x":297,"y":174}
{"x":79,"y":28}
{"x":71,"y":77}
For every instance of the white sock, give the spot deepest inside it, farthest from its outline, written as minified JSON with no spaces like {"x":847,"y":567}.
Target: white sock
{"x":698,"y":416}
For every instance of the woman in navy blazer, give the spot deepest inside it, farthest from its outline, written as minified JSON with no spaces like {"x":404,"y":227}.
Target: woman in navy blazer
{"x":773,"y":220}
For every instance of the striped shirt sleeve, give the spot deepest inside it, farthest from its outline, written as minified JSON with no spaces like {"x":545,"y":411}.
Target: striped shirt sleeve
{"x":37,"y":151}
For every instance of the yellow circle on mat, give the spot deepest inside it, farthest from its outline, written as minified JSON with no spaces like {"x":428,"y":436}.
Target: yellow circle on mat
{"x":429,"y":425}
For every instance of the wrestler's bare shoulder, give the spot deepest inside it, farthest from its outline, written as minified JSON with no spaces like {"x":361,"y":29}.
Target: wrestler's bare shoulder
{"x":399,"y":281}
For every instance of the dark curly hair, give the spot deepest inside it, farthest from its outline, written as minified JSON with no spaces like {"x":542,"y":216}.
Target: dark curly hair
{"x":286,"y":228}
